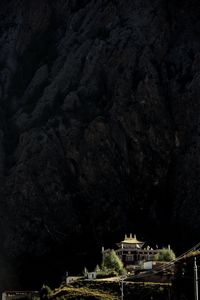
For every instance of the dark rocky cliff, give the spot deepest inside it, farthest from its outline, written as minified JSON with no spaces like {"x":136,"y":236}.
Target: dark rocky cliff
{"x":99,"y":129}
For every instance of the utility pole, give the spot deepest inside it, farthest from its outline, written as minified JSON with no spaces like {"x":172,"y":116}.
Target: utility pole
{"x":66,"y":276}
{"x":122,"y":286}
{"x":196,"y":288}
{"x":169,"y":292}
{"x":103,"y":254}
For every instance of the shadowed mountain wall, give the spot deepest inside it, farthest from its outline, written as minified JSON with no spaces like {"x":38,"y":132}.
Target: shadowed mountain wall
{"x":99,"y":130}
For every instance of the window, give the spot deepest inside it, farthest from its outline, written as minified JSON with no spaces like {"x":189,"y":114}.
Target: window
{"x":129,"y":258}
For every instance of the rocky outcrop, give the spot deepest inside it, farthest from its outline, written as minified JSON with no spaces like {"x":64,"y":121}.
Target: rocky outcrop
{"x":99,"y":130}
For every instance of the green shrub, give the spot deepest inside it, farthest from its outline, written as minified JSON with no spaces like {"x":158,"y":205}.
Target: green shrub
{"x":112,"y":262}
{"x":165,"y":254}
{"x":45,"y":292}
{"x":97,"y":268}
{"x":107,"y":274}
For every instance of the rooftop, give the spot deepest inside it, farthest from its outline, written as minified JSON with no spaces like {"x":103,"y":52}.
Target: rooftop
{"x":131,"y":240}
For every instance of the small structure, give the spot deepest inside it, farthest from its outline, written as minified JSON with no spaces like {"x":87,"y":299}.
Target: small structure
{"x":18,"y":295}
{"x":71,"y":279}
{"x":91,"y":275}
{"x":148,"y":265}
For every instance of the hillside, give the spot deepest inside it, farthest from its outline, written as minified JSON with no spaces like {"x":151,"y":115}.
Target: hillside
{"x":99,"y":130}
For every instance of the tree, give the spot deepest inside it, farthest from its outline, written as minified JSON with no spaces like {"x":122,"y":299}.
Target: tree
{"x":97,"y":269}
{"x":112,"y":262}
{"x":85,"y":272}
{"x":165,"y":254}
{"x":45,"y":292}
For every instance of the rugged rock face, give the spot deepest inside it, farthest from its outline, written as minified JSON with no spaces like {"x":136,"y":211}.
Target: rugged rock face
{"x":99,"y":128}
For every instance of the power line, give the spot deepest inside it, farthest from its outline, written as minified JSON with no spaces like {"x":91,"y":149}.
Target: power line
{"x":166,"y":266}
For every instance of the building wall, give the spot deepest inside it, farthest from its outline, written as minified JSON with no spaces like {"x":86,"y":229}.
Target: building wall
{"x":130,"y":255}
{"x":92,"y":275}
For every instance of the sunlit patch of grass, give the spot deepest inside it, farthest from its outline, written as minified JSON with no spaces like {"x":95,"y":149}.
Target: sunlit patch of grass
{"x":70,"y":292}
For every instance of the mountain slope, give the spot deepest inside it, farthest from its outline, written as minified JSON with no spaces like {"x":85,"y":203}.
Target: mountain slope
{"x":99,"y":128}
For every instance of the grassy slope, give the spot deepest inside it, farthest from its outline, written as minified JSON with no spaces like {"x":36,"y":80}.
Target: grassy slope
{"x":103,"y":290}
{"x":81,"y":293}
